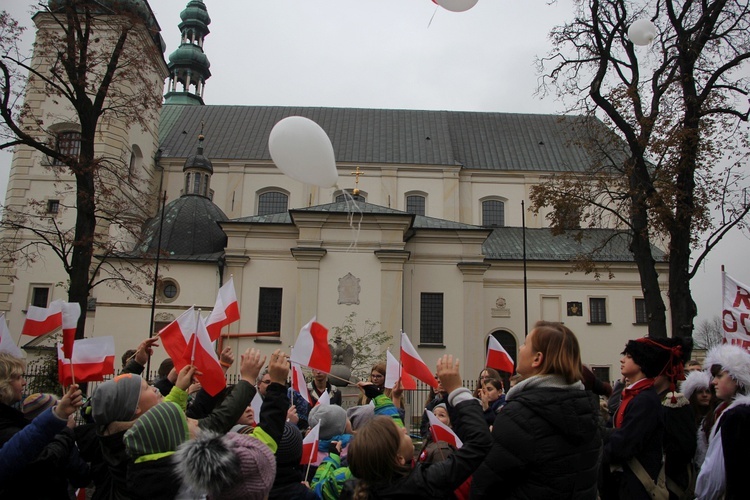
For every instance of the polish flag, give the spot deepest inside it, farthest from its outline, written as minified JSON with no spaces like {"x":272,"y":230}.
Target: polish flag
{"x":71,"y":311}
{"x":311,"y":348}
{"x":201,"y":353}
{"x":412,"y":363}
{"x":225,"y":312}
{"x":92,"y":359}
{"x":6,"y":340}
{"x":497,"y":357}
{"x":298,"y":382}
{"x":176,"y":335}
{"x":256,"y":404}
{"x":310,"y":445}
{"x":43,"y":320}
{"x":441,"y":432}
{"x":324,"y":399}
{"x":393,"y":373}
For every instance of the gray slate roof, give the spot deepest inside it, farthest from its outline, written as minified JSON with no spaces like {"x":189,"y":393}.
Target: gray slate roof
{"x":491,"y":141}
{"x":504,"y":243}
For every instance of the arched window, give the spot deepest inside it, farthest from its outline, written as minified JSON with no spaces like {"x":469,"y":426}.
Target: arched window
{"x":136,"y":160}
{"x":272,"y":202}
{"x":493,"y":213}
{"x":415,"y":204}
{"x":67,"y":143}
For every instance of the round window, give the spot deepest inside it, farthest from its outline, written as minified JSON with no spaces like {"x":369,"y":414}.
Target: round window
{"x":168,"y":290}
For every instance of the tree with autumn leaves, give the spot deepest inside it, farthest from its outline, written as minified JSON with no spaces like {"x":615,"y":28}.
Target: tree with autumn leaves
{"x":96,"y":73}
{"x":670,"y":167}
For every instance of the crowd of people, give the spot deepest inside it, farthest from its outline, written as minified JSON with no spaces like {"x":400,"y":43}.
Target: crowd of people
{"x":670,"y":427}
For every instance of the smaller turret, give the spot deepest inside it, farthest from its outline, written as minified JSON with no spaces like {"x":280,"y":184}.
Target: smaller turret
{"x":188,"y":65}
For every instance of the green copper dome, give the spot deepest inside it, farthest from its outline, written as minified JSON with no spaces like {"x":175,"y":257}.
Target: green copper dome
{"x":195,"y":13}
{"x":189,"y":55}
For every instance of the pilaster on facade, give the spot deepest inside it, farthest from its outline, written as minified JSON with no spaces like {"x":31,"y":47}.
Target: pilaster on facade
{"x":473,"y":295}
{"x":308,"y":279}
{"x":392,"y":290}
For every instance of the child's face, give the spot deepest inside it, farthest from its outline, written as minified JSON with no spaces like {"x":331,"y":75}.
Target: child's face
{"x":442,"y":415}
{"x":628,"y":368}
{"x":703,"y":397}
{"x":406,"y":448}
{"x":493,"y":394}
{"x":726,"y":387}
{"x":150,"y":397}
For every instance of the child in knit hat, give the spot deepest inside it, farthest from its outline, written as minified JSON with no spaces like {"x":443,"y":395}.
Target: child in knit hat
{"x":289,"y":484}
{"x":723,"y":471}
{"x":35,"y":404}
{"x":239,"y":465}
{"x":156,"y":435}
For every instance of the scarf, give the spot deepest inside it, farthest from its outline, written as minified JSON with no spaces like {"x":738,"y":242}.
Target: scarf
{"x":627,"y":396}
{"x":542,"y":381}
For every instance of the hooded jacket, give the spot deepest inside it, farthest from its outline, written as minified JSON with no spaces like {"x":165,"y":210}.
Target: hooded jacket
{"x":546,"y":443}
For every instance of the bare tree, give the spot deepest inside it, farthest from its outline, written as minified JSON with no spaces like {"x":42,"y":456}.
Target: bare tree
{"x":676,"y":145}
{"x":89,"y":68}
{"x":709,"y":333}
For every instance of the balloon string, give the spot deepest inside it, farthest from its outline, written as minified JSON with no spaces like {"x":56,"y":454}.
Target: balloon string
{"x":351,"y":205}
{"x":431,"y":18}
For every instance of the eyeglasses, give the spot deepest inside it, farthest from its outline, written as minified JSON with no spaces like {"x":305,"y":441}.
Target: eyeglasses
{"x":375,"y":375}
{"x":265,"y":381}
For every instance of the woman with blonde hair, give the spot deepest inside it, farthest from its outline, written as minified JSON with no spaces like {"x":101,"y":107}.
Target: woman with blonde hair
{"x":546,"y":441}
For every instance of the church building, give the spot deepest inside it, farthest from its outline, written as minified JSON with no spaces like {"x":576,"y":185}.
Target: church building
{"x":428,"y":230}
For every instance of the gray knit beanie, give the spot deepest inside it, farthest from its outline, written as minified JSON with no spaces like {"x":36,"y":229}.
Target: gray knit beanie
{"x":332,"y":418}
{"x":116,"y":400}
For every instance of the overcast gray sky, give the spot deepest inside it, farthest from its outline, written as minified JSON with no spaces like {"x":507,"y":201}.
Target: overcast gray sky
{"x":399,"y":54}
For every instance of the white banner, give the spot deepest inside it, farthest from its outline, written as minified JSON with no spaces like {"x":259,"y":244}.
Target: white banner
{"x":736,"y":312}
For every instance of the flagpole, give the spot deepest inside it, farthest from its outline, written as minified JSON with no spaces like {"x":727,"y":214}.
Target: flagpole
{"x":348,"y":382}
{"x":195,"y":336}
{"x":525,"y":284}
{"x":312,"y":452}
{"x":156,"y":268}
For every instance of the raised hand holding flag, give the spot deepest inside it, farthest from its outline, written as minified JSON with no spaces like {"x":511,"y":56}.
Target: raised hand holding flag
{"x":203,"y":356}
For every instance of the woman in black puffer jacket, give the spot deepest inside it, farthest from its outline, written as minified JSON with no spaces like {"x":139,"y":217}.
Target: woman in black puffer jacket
{"x":546,"y":439}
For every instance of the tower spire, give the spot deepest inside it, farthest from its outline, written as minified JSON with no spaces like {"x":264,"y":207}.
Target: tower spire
{"x":188,"y":65}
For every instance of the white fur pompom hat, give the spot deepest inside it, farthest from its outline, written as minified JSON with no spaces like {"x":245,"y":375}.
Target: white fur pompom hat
{"x":734,"y":360}
{"x":695,"y":380}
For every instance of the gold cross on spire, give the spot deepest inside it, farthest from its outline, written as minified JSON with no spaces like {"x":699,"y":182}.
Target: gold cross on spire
{"x":356,"y":175}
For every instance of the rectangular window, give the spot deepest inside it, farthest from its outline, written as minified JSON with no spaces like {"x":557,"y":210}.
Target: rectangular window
{"x":415,"y":204}
{"x":602,"y":373}
{"x":493,"y":213}
{"x":272,"y":203}
{"x":598,"y":310}
{"x":68,"y":144}
{"x":53,"y":206}
{"x":641,"y":318}
{"x":431,"y":318}
{"x":40,"y":296}
{"x":269,"y":310}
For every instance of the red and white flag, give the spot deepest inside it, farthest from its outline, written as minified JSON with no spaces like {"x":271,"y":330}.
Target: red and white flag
{"x":393,"y":373}
{"x":226,"y":310}
{"x":412,"y":363}
{"x":256,"y":404}
{"x":71,"y":311}
{"x":298,"y":382}
{"x":497,"y":357}
{"x":324,"y":399}
{"x":176,"y":335}
{"x":201,"y":353}
{"x":311,"y":348}
{"x":310,"y":446}
{"x":441,"y":432}
{"x":92,"y":359}
{"x":6,"y":340}
{"x":43,"y":320}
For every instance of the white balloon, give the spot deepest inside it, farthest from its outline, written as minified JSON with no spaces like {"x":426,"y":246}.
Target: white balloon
{"x":642,"y":32}
{"x":457,"y":5}
{"x":302,"y":150}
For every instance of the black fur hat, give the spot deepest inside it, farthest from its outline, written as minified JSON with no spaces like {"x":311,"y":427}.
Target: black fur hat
{"x":660,"y":356}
